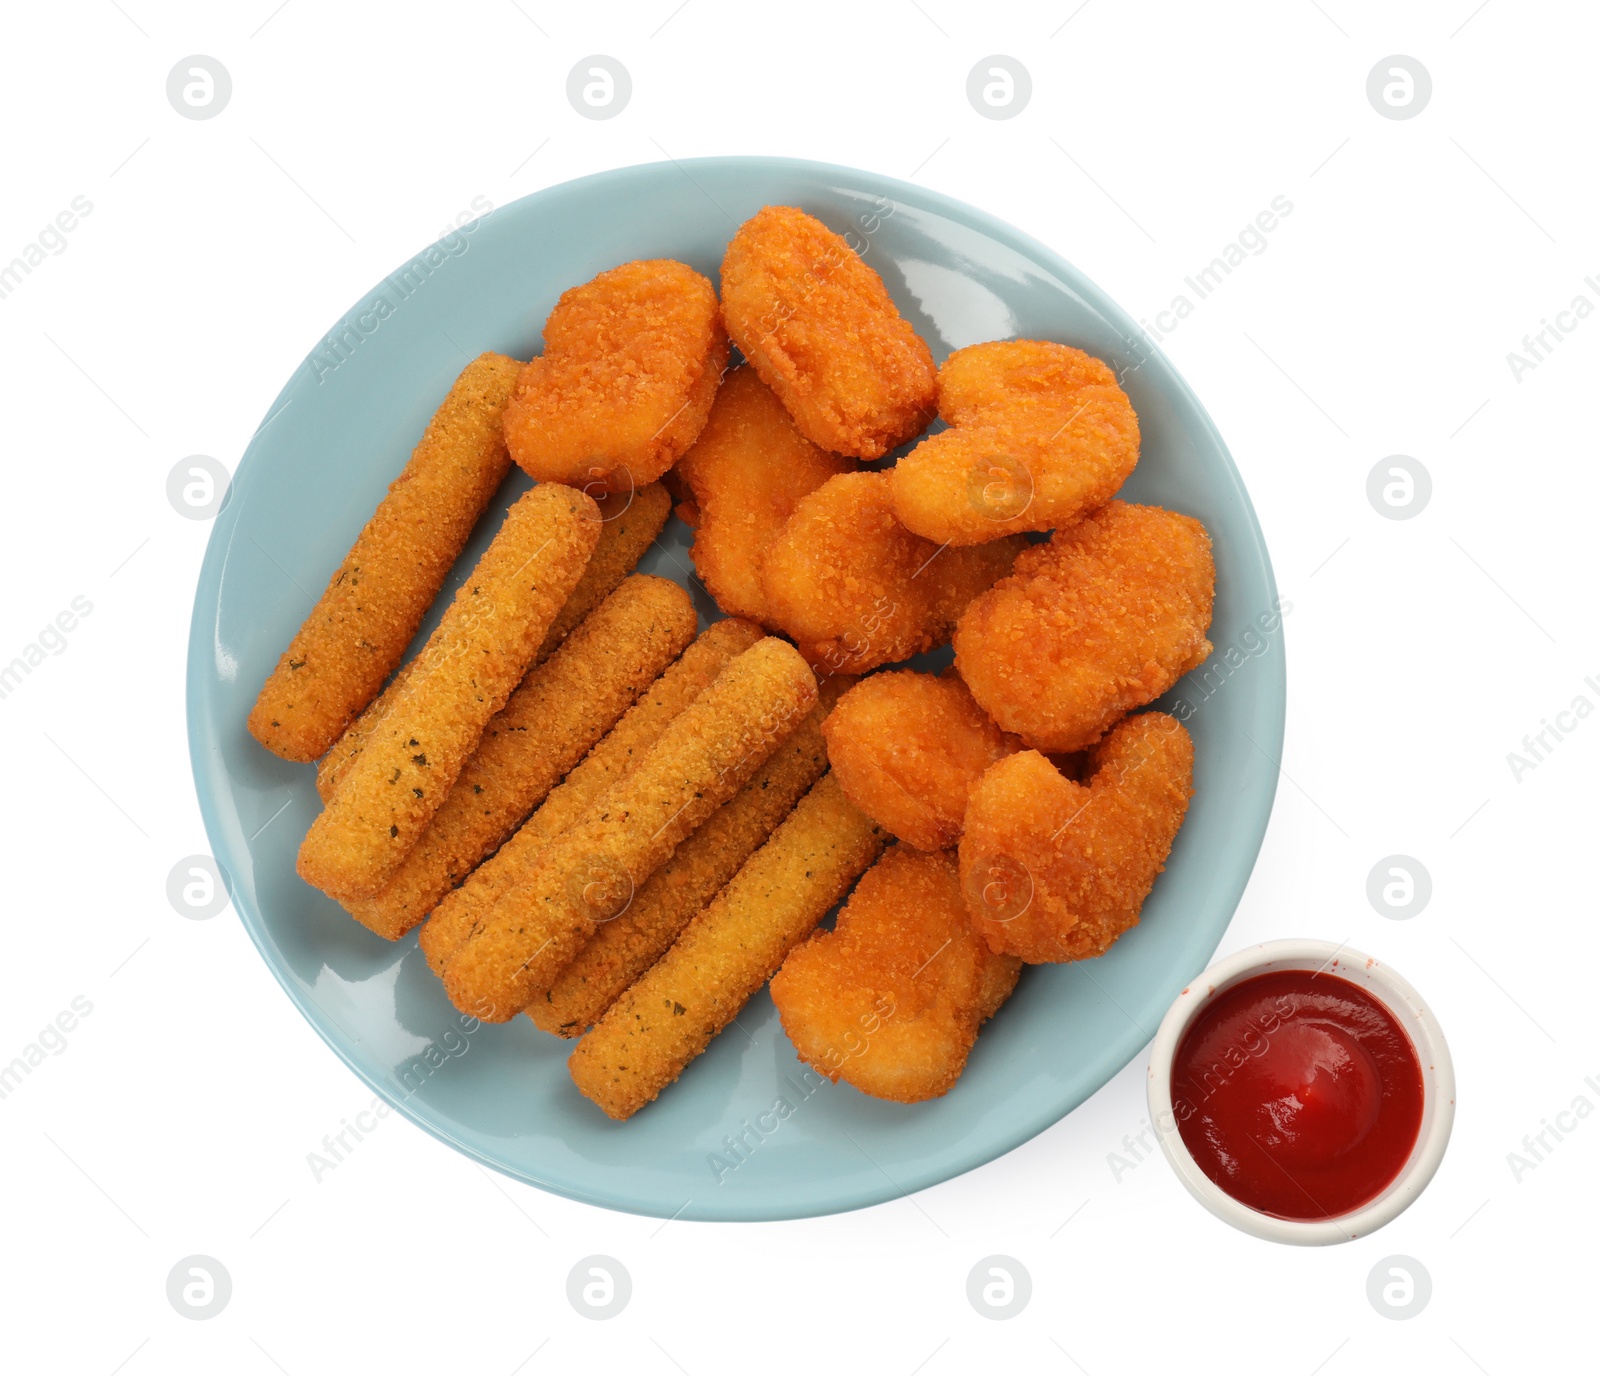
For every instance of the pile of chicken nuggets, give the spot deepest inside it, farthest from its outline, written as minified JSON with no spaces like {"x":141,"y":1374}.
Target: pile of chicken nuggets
{"x":622,"y":826}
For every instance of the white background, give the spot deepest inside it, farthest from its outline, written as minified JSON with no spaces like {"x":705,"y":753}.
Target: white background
{"x":178,"y":1118}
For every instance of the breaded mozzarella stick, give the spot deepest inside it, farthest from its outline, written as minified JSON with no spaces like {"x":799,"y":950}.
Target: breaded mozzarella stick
{"x":376,"y":599}
{"x":624,"y":948}
{"x":623,"y":540}
{"x":617,"y":754}
{"x":464,"y":675}
{"x":559,"y":710}
{"x":590,"y":872}
{"x":730,"y":950}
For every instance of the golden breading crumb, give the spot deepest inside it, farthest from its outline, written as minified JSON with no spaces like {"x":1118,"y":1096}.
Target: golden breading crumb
{"x":629,"y":524}
{"x":908,"y":747}
{"x":1104,"y":618}
{"x":471,"y":664}
{"x":589,"y":873}
{"x":631,"y":363}
{"x":856,"y":589}
{"x":625,"y":947}
{"x":818,"y":326}
{"x":746,"y":472}
{"x":558,"y":711}
{"x":1055,"y":870}
{"x":624,"y":537}
{"x":376,"y":599}
{"x":1040,"y":435}
{"x":892,"y":998}
{"x":618,"y":754}
{"x":649,"y":1036}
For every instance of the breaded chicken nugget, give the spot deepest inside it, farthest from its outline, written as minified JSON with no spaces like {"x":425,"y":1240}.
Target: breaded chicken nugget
{"x":474,"y":659}
{"x":559,"y":710}
{"x":631,"y":362}
{"x":624,"y":537}
{"x":817,"y":324}
{"x":892,"y":998}
{"x":590,"y":873}
{"x":908,"y":747}
{"x":1055,"y":870}
{"x":1041,"y":434}
{"x":624,"y":948}
{"x":747,"y":470}
{"x":648,"y":1036}
{"x":1022,"y":375}
{"x":1000,"y":975}
{"x":377,"y":597}
{"x":616,"y":756}
{"x":1104,"y":618}
{"x":857,"y":589}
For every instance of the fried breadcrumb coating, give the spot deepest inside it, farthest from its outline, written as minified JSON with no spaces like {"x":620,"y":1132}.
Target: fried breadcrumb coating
{"x":631,"y":363}
{"x":624,"y":948}
{"x":1040,"y":435}
{"x":649,"y":1036}
{"x":629,"y":524}
{"x":558,"y":711}
{"x":817,"y":324}
{"x":590,"y":873}
{"x":856,"y":589}
{"x":1104,"y":618}
{"x":892,"y":998}
{"x":470,"y":666}
{"x":625,"y":535}
{"x":618,"y":754}
{"x":746,"y":472}
{"x":1055,"y":870}
{"x":376,"y":599}
{"x":908,"y":747}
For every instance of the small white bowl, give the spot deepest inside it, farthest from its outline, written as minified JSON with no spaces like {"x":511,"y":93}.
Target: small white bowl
{"x":1438,"y":1088}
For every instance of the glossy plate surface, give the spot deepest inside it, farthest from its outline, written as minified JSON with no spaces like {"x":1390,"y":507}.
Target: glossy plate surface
{"x":344,"y":426}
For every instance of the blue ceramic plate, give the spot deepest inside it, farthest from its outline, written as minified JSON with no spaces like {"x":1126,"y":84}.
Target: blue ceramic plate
{"x":712,"y":1147}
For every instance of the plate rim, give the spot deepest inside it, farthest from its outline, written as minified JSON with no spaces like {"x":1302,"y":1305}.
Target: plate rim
{"x":620,"y":1196}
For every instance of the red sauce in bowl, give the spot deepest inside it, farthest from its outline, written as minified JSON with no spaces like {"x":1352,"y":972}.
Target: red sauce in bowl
{"x":1298,"y":1094}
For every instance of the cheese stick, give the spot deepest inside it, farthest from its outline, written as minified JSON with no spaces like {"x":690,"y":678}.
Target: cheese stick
{"x":376,"y":599}
{"x":465,"y":674}
{"x":590,"y":872}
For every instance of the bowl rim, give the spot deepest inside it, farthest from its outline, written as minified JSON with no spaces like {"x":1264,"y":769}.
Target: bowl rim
{"x":1408,"y":1008}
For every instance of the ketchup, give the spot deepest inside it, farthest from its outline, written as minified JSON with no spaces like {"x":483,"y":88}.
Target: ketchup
{"x":1298,"y":1094}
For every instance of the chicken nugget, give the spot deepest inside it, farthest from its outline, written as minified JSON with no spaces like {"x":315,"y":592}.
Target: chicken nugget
{"x":747,"y":470}
{"x":1104,"y":618}
{"x":591,"y":872}
{"x":624,"y":537}
{"x":908,"y":747}
{"x":857,"y":589}
{"x":624,"y":948}
{"x":892,"y":998}
{"x":1000,"y":975}
{"x":631,"y":363}
{"x":1055,"y":870}
{"x":618,"y":754}
{"x":1024,"y":375}
{"x":1040,"y":435}
{"x":818,"y":326}
{"x":356,"y":634}
{"x":559,"y":710}
{"x":469,"y":667}
{"x":648,"y":1036}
